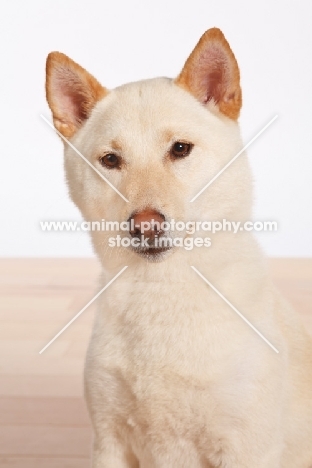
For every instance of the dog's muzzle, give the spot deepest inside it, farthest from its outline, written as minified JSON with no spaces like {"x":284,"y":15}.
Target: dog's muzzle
{"x":147,"y":232}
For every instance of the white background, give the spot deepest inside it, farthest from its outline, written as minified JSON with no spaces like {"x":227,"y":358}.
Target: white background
{"x":121,"y":41}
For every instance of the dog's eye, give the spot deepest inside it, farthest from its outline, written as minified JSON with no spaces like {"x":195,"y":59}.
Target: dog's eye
{"x":111,"y":161}
{"x":180,"y":149}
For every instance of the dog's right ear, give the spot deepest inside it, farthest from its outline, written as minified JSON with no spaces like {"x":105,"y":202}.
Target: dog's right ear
{"x":71,"y":93}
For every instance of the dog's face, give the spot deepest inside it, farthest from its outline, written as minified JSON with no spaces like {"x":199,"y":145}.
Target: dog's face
{"x":158,"y":142}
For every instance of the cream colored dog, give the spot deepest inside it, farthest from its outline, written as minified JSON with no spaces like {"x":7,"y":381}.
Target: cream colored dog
{"x":174,"y":378}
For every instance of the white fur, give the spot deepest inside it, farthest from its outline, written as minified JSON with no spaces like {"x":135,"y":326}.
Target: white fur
{"x":174,"y":378}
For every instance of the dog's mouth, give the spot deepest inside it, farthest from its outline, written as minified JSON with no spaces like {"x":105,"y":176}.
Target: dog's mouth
{"x":154,"y":254}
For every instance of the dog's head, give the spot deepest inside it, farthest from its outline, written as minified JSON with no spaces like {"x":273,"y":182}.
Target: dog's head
{"x":156,"y":142}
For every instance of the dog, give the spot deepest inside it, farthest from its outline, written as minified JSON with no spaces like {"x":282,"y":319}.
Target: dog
{"x":173,"y":377}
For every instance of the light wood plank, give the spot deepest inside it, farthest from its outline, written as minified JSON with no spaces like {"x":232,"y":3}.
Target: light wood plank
{"x":41,"y":385}
{"x":55,"y":462}
{"x":45,"y":441}
{"x":21,"y":411}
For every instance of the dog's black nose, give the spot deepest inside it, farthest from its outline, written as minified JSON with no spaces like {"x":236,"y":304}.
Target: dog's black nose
{"x":147,"y":224}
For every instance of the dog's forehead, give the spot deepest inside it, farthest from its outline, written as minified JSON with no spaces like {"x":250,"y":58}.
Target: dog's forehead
{"x":154,"y":108}
{"x":149,"y":97}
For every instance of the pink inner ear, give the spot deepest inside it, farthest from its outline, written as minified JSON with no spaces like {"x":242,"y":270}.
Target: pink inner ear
{"x":68,"y":96}
{"x":214,"y":86}
{"x":212,"y":73}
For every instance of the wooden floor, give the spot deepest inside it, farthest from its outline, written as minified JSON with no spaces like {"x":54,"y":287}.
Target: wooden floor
{"x":43,"y":420}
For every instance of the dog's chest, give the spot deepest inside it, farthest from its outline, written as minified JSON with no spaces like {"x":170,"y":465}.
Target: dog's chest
{"x":166,"y":349}
{"x":185,"y":328}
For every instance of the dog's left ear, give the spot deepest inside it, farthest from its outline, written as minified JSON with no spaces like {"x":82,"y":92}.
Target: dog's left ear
{"x":211,"y":73}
